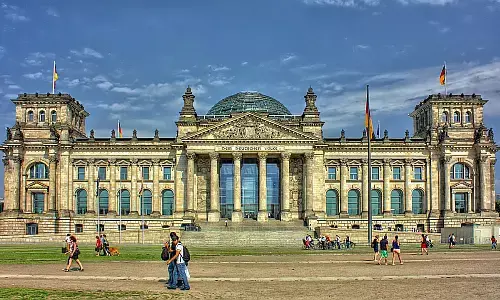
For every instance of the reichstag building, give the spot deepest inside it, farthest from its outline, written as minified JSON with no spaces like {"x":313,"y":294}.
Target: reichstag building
{"x":248,"y":159}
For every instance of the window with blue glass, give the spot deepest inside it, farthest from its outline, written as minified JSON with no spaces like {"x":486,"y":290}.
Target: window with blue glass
{"x":332,"y":173}
{"x":30,"y":116}
{"x":273,"y":187}
{"x":397,"y":202}
{"x":81,"y":202}
{"x":376,"y":198}
{"x":41,"y":116}
{"x":146,"y":202}
{"x":468,"y":117}
{"x":460,"y":171}
{"x":38,"y":202}
{"x":39,"y":171}
{"x":417,"y":203}
{"x":123,"y":173}
{"x":353,"y":202}
{"x":460,"y":202}
{"x":456,"y":117}
{"x":102,"y":173}
{"x":353,"y":173}
{"x":145,"y":173}
{"x":417,"y":173}
{"x":167,"y":173}
{"x":249,"y":187}
{"x":124,"y":202}
{"x":103,"y":202}
{"x":375,"y":173}
{"x":226,"y":188}
{"x":396,"y":173}
{"x":332,"y":203}
{"x":167,"y":203}
{"x":81,"y":173}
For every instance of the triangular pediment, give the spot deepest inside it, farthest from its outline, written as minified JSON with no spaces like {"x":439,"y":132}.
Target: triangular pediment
{"x":37,"y":185}
{"x":249,"y":126}
{"x":462,"y":185}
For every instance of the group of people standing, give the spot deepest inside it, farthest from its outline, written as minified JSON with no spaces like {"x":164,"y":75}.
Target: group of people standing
{"x":380,"y":249}
{"x":102,"y":244}
{"x":178,"y":272}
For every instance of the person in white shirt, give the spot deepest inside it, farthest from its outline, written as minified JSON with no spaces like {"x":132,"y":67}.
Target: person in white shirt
{"x":180,"y":265}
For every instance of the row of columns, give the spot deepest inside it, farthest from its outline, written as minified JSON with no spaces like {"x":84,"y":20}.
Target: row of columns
{"x":214,"y":213}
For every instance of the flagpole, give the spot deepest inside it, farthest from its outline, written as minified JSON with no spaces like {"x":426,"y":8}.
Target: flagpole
{"x":142,"y":209}
{"x":120,"y":212}
{"x":98,"y":205}
{"x":445,"y":79}
{"x":378,"y":130}
{"x":369,"y":169}
{"x":53,"y":81}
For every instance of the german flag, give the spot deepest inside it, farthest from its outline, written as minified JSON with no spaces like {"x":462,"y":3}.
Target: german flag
{"x":368,"y":119}
{"x":442,"y":77}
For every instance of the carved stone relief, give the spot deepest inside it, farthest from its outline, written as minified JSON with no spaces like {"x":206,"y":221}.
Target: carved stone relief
{"x":296,"y":177}
{"x":203,"y":183}
{"x":250,"y":128}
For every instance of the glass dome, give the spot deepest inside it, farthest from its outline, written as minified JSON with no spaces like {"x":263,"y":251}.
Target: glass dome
{"x":248,"y":101}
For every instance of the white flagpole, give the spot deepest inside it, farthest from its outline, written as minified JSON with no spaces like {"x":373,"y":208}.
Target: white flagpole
{"x":445,"y":79}
{"x":53,"y":81}
{"x":120,"y":205}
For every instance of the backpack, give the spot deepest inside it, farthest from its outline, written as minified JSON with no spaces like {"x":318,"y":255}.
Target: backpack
{"x":185,"y":255}
{"x":164,"y":253}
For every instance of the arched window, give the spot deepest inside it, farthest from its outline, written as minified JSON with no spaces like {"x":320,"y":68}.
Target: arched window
{"x":353,"y":202}
{"x":444,"y":117}
{"x":39,"y":171}
{"x":468,"y":117}
{"x":376,"y":198}
{"x":81,"y":202}
{"x":53,"y":116}
{"x":397,"y":202}
{"x":456,"y":117}
{"x":332,"y":203}
{"x":417,"y":201}
{"x":460,"y":171}
{"x":167,"y":202}
{"x":41,"y":116}
{"x":103,"y":202}
{"x":30,"y":116}
{"x":146,"y":202}
{"x":125,"y":202}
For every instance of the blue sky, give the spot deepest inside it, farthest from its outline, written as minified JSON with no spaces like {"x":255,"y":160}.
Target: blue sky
{"x":130,"y":61}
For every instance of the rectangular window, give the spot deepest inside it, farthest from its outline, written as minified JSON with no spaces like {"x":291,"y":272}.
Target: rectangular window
{"x":332,"y":173}
{"x":102,"y":173}
{"x":167,"y":173}
{"x":417,"y":173}
{"x":396,"y":173}
{"x":31,"y":228}
{"x":78,"y":228}
{"x":375,"y":173}
{"x":145,"y":173}
{"x":81,"y":173}
{"x":123,"y":173}
{"x":353,"y":172}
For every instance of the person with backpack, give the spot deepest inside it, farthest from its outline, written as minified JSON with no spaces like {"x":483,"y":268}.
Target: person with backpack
{"x":180,"y":258}
{"x":168,"y":252}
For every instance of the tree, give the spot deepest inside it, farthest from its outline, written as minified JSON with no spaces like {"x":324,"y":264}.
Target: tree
{"x":497,"y":206}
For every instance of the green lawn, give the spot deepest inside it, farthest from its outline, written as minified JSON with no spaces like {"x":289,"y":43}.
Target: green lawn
{"x":42,"y":253}
{"x":39,"y":294}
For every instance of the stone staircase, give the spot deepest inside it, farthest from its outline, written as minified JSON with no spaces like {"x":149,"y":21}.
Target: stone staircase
{"x":248,"y":233}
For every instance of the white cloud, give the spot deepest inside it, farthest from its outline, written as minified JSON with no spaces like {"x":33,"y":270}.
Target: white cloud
{"x":161,"y":90}
{"x":308,"y":68}
{"x":87,"y":52}
{"x":218,"y":82}
{"x":440,"y":27}
{"x":361,"y":47}
{"x":36,"y":59}
{"x":73,"y":83}
{"x":52,"y":12}
{"x":218,"y":68}
{"x":106,"y":85}
{"x":14,"y":87}
{"x":184,"y":71}
{"x":36,"y":75}
{"x":430,"y":2}
{"x":361,"y":3}
{"x":10,"y":96}
{"x":244,"y":63}
{"x":13,"y":13}
{"x":287,"y":58}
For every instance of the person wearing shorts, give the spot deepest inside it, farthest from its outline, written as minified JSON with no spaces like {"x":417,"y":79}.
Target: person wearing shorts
{"x":396,"y":250}
{"x":375,"y":248}
{"x":423,"y":245}
{"x":383,"y":250}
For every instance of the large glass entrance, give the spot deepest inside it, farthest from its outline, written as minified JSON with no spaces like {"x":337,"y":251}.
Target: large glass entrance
{"x":249,"y":188}
{"x":273,"y":188}
{"x":226,"y":188}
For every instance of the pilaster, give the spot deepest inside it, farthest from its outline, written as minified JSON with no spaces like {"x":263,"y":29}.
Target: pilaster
{"x":134,"y":198}
{"x":91,"y":187}
{"x":262,"y":215}
{"x":387,"y":193}
{"x":365,"y":189}
{"x":492,"y":183}
{"x":237,"y":215}
{"x":214,"y":213}
{"x":408,"y":198}
{"x":309,"y":184}
{"x":344,"y":174}
{"x":112,"y":187}
{"x":447,"y":199}
{"x":190,"y":182}
{"x":483,"y":186}
{"x":285,"y":187}
{"x":7,"y":174}
{"x":156,"y":188}
{"x":179,"y":171}
{"x":52,"y":183}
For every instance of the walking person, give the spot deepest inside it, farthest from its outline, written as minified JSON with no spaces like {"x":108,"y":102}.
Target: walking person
{"x":493,"y":243}
{"x":375,"y":248}
{"x":171,"y":266}
{"x":383,"y":250}
{"x":98,"y":245}
{"x":396,"y":250}
{"x":180,"y":266}
{"x":73,"y":254}
{"x":423,"y":245}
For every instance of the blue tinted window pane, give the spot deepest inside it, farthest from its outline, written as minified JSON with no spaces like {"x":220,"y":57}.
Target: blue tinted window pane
{"x":38,"y":202}
{"x":354,"y":173}
{"x":417,"y":202}
{"x":81,"y":202}
{"x":460,"y":202}
{"x":125,"y":202}
{"x":81,"y":173}
{"x":273,"y":188}
{"x":249,"y":187}
{"x":167,"y":203}
{"x":332,"y":173}
{"x":331,"y":203}
{"x":353,"y":202}
{"x":102,"y":173}
{"x":123,"y":173}
{"x":103,"y":202}
{"x":226,"y":188}
{"x":167,"y":173}
{"x":397,"y":202}
{"x":147,"y":202}
{"x":418,"y":173}
{"x":376,"y":198}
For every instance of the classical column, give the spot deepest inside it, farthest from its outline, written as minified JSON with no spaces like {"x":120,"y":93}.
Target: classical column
{"x":214,"y":214}
{"x":492,"y":183}
{"x":7,"y":174}
{"x":485,"y":193}
{"x":344,"y":175}
{"x":112,"y":186}
{"x":156,"y":188}
{"x":12,"y":204}
{"x":190,"y":182}
{"x":387,"y":192}
{"x":469,"y":202}
{"x":366,"y":188}
{"x":285,"y":187}
{"x":91,"y":187}
{"x":179,"y":172}
{"x":427,"y":193}
{"x":408,"y":198}
{"x":52,"y":183}
{"x":262,"y":215}
{"x":309,"y":184}
{"x":447,"y":199}
{"x":453,"y":202}
{"x":237,"y":215}
{"x":134,"y":197}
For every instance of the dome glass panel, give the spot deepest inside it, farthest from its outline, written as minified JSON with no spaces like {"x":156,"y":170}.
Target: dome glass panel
{"x":248,"y":101}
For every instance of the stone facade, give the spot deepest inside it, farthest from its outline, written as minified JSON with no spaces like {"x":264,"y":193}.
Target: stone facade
{"x":441,"y":176}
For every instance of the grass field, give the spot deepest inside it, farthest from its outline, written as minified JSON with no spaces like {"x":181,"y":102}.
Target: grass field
{"x":43,"y":253}
{"x":39,"y":294}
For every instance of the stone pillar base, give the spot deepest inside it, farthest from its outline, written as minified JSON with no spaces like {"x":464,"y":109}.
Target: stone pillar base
{"x":134,"y":214}
{"x":486,"y":213}
{"x":214,"y":216}
{"x":10,"y":212}
{"x":408,"y":213}
{"x":237,"y":217}
{"x":387,"y":214}
{"x":155,"y":214}
{"x":434,"y":213}
{"x":364,"y":214}
{"x":344,"y":214}
{"x":262,"y":216}
{"x":448,"y":213}
{"x":65,"y":213}
{"x":91,"y":213}
{"x":285,"y":216}
{"x":308,"y":213}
